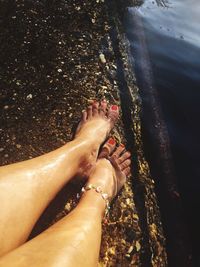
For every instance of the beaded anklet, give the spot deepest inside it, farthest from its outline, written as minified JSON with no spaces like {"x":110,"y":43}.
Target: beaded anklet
{"x":103,"y":195}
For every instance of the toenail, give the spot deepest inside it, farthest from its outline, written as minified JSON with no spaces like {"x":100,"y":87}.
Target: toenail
{"x":111,"y":141}
{"x":114,"y":107}
{"x":122,"y":145}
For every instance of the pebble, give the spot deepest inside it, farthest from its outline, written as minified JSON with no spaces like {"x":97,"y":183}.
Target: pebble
{"x":130,"y":249}
{"x":1,"y":149}
{"x":18,"y":146}
{"x":68,"y":207}
{"x":59,"y":70}
{"x":102,"y":58}
{"x":138,"y":246}
{"x":6,"y":107}
{"x":29,"y":97}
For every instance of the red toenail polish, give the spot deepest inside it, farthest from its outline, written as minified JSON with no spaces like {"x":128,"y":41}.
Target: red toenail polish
{"x":111,"y":141}
{"x":114,"y":107}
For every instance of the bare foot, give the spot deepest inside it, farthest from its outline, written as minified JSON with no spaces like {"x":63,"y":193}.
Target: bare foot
{"x":98,"y":116}
{"x":111,"y":169}
{"x":94,"y":127}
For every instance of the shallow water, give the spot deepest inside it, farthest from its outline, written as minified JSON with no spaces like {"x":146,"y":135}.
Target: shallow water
{"x":173,"y":41}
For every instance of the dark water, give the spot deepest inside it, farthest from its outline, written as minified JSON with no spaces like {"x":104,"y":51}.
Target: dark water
{"x":172,"y":35}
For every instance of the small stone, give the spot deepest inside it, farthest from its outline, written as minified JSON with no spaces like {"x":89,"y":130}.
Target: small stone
{"x":138,"y":246}
{"x":6,"y":107}
{"x":130,"y":249}
{"x":135,"y":217}
{"x":93,"y":21}
{"x":29,"y":97}
{"x":18,"y":146}
{"x":111,"y":251}
{"x":1,"y":149}
{"x":59,"y":70}
{"x":6,"y":155}
{"x":102,"y":58}
{"x":67,"y":207}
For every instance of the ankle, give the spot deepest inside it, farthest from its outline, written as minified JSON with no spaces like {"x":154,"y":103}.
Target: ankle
{"x":103,"y":178}
{"x":93,"y":201}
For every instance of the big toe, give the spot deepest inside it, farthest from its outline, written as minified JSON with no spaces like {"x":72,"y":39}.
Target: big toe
{"x":113,"y":113}
{"x":108,"y":148}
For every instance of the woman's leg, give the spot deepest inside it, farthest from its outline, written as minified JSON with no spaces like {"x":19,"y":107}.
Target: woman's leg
{"x":27,"y":188}
{"x":75,"y":240}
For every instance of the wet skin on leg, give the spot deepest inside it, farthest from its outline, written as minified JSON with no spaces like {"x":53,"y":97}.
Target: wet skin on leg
{"x":76,"y":239}
{"x":26,"y":188}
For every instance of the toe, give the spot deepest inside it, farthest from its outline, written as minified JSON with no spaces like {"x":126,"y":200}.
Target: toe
{"x":89,"y":112}
{"x":125,"y":164}
{"x":103,"y":107}
{"x":118,"y":151}
{"x":124,"y":156}
{"x":108,"y":148}
{"x":84,"y":115}
{"x":113,"y":113}
{"x":95,"y":108}
{"x":127,"y":171}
